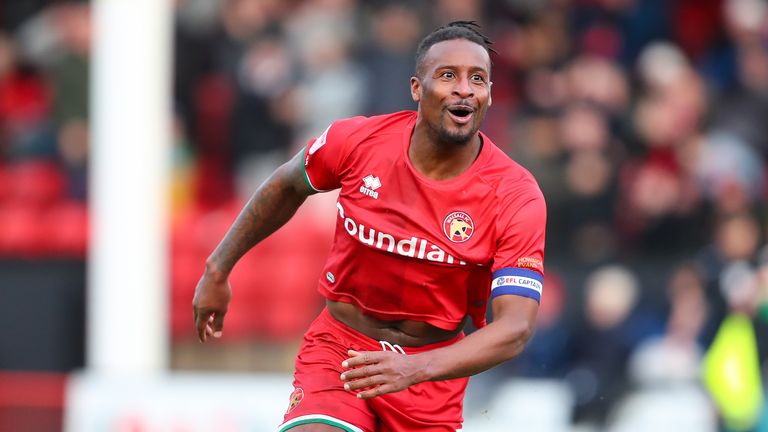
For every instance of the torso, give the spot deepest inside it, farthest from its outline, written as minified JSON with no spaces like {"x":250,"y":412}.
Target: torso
{"x":412,"y":257}
{"x":407,"y":333}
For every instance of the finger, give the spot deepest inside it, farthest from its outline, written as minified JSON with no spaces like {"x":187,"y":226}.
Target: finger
{"x":195,"y":318}
{"x":358,"y":373}
{"x":377,"y":391}
{"x":201,"y":324}
{"x":359,"y":358}
{"x":218,"y":324}
{"x":364,"y":383}
{"x":208,"y":329}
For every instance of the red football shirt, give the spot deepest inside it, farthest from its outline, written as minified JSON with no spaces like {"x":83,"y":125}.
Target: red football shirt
{"x":408,"y":247}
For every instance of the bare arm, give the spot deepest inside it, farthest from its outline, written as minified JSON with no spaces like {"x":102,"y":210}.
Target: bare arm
{"x":496,"y":343}
{"x":499,"y":341}
{"x":270,"y":207}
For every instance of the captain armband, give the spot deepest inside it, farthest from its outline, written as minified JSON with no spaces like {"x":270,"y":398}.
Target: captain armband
{"x":517,"y":281}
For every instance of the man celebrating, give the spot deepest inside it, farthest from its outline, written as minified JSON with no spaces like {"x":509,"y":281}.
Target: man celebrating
{"x":433,"y":222}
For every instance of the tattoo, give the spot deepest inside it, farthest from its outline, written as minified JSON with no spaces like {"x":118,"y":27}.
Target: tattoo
{"x":271,"y":206}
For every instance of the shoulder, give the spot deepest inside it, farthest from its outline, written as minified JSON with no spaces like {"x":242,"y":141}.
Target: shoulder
{"x":512,"y":183}
{"x":365,"y":134}
{"x":355,"y":139}
{"x":360,"y":125}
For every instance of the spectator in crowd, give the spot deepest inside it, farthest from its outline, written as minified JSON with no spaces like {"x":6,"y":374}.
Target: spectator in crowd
{"x":601,"y":343}
{"x":388,"y":60}
{"x":675,"y":356}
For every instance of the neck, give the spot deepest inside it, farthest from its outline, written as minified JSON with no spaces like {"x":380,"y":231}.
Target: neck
{"x":439,"y":160}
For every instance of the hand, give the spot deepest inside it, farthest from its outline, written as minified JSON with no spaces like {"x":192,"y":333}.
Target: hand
{"x":381,"y":372}
{"x":212,"y":296}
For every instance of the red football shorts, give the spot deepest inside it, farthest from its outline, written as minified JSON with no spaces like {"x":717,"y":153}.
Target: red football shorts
{"x":319,"y":395}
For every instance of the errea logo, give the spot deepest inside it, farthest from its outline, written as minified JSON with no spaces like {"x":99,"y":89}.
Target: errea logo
{"x":370,"y":184}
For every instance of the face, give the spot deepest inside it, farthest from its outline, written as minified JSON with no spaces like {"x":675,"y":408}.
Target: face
{"x":454,"y":89}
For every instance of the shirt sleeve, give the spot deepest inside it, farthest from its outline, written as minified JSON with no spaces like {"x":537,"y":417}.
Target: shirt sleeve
{"x":324,"y":155}
{"x":518,"y":267}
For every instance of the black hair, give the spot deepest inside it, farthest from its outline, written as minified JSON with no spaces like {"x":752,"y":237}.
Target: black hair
{"x":468,"y":30}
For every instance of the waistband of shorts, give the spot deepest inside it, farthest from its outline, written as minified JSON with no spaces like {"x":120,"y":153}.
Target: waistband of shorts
{"x":329,"y":319}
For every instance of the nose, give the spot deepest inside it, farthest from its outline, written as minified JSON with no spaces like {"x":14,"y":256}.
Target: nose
{"x":463,"y":89}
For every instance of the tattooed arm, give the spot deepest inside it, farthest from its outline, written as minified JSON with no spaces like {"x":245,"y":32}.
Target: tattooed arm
{"x":270,"y":207}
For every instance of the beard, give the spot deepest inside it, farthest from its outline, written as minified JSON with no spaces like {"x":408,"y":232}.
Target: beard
{"x":459,"y":136}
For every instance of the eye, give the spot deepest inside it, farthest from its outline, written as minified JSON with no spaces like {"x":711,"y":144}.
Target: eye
{"x":478,"y":78}
{"x":448,"y":74}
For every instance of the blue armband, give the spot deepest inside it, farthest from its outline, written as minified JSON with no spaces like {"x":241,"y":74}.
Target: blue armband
{"x":517,"y":281}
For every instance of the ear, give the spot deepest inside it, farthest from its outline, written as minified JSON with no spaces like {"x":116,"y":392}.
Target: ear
{"x":415,"y":89}
{"x":490,"y":99}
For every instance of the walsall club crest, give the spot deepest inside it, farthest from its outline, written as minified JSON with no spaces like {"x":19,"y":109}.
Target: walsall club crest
{"x":458,"y":227}
{"x":296,"y":397}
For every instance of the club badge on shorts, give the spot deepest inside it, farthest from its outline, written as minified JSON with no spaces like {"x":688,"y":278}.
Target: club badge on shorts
{"x":458,"y":227}
{"x":295,"y":399}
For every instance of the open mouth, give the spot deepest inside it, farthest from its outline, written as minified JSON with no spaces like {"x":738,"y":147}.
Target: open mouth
{"x":461,"y":114}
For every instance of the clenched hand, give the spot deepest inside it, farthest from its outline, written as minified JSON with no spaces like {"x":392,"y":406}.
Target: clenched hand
{"x":212,"y":296}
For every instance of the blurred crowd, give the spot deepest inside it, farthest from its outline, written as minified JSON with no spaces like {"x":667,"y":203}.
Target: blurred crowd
{"x":644,"y":121}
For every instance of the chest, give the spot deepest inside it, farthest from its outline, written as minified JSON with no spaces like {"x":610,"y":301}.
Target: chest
{"x":382,"y":196}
